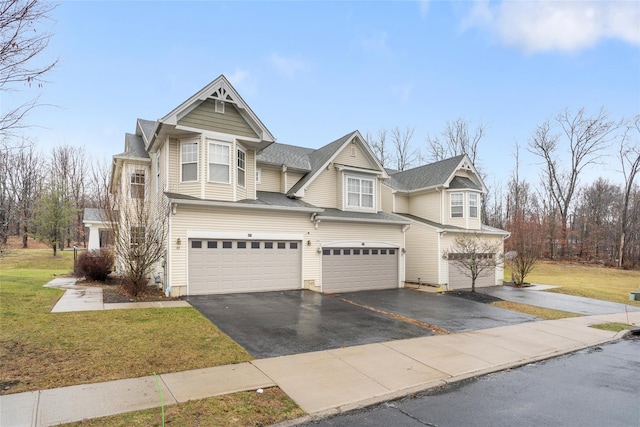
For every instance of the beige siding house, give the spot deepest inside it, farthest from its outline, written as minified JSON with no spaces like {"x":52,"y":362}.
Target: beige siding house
{"x":442,"y":200}
{"x":248,"y":214}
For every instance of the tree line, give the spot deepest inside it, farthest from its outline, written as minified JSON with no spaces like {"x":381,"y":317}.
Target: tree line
{"x":44,"y":196}
{"x":558,"y":217}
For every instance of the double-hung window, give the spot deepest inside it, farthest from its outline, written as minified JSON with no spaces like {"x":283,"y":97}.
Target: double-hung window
{"x":360,"y":193}
{"x":137,"y":184}
{"x":457,"y":205}
{"x":219,"y":161}
{"x":189,"y":161}
{"x":242,"y":171}
{"x":473,"y":206}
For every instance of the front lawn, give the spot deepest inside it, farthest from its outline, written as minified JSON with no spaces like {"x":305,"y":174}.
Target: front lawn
{"x":41,"y":350}
{"x":608,"y":284}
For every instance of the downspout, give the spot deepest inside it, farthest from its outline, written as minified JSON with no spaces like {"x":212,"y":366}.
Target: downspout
{"x":403,"y":251}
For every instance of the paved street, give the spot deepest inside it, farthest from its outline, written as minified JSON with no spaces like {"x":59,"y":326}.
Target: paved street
{"x":593,"y":387}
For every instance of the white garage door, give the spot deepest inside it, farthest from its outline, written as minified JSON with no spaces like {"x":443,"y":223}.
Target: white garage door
{"x":458,"y":280}
{"x":358,"y":269}
{"x":225,"y":266}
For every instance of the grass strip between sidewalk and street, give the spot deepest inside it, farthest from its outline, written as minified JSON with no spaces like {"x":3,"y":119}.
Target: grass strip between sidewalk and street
{"x":540,"y":312}
{"x":242,"y":409}
{"x":613,"y":326}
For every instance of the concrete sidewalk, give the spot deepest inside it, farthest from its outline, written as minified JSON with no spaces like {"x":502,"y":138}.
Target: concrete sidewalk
{"x":325,"y":382}
{"x":88,"y":298}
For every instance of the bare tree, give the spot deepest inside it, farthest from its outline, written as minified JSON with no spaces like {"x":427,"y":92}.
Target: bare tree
{"x":25,"y":179}
{"x":21,"y":47}
{"x":456,"y":139}
{"x":586,"y":137}
{"x":629,"y":155}
{"x":475,"y":256}
{"x":7,"y":203}
{"x":138,"y":225}
{"x":525,"y":244}
{"x":405,"y":155}
{"x":380,"y":147}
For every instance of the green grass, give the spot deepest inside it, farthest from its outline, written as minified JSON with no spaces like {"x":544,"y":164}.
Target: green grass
{"x":240,"y":409}
{"x":613,"y":327}
{"x":608,"y":284}
{"x":542,"y":313}
{"x":40,"y":349}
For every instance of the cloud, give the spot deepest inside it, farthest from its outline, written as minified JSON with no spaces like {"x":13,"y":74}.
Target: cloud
{"x":376,"y":43}
{"x":402,"y":92}
{"x":537,"y":26}
{"x":243,"y":81}
{"x":287,"y":66}
{"x":424,"y":7}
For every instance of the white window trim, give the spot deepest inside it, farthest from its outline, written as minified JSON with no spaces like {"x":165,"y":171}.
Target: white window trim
{"x":209,"y":162}
{"x":238,"y":168}
{"x":258,"y":175}
{"x":134,"y":180}
{"x":477,"y":205}
{"x":345,"y":193}
{"x":182,"y":143}
{"x":451,"y":204}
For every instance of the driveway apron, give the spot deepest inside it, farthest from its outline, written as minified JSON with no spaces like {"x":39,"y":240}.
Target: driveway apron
{"x":452,"y":313}
{"x":270,"y":324}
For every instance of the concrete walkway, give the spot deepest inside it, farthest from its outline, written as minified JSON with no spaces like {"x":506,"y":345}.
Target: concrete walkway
{"x":321,"y":383}
{"x":87,"y":298}
{"x":325,"y":382}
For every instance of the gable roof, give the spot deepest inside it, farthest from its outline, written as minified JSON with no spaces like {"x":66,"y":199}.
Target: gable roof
{"x":218,"y":89}
{"x":438,"y":174}
{"x":484,"y":229}
{"x":133,"y":148}
{"x":146,"y":128}
{"x":318,"y":160}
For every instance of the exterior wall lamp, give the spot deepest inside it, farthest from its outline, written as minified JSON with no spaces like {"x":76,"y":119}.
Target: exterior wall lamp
{"x":178,"y":242}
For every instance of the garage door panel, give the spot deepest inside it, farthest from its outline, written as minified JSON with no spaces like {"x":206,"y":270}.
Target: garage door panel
{"x":226,"y":266}
{"x":354,"y":269}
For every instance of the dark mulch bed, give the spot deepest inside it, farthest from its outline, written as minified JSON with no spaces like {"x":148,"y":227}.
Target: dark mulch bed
{"x":474,"y":296}
{"x":112,"y":292}
{"x":512,"y":284}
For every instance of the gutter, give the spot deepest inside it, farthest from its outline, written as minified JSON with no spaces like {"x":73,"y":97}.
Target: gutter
{"x":235,"y":205}
{"x":373,"y":221}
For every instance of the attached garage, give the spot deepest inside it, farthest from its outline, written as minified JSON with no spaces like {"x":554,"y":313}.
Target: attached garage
{"x":459,"y":280}
{"x":358,"y":269}
{"x":227,"y":266}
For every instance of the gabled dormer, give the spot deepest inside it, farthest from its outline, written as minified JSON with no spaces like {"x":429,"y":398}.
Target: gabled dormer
{"x":447,"y":192}
{"x":206,"y":146}
{"x":344,"y":175}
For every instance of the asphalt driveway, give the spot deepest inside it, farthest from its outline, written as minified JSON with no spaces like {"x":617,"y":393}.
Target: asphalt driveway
{"x":270,"y":324}
{"x":570,"y":303}
{"x":452,"y":313}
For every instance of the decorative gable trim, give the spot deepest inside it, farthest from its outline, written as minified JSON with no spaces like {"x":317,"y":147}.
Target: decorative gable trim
{"x":219,"y":89}
{"x":466,"y":164}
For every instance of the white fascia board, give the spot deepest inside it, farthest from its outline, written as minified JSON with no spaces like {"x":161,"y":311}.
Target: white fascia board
{"x":235,"y":235}
{"x":371,"y":221}
{"x":235,"y":205}
{"x":341,"y":167}
{"x":486,"y":233}
{"x":92,"y":222}
{"x":359,"y":244}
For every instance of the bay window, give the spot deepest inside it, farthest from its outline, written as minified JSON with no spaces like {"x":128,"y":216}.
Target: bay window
{"x":219,"y":161}
{"x":189,"y":161}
